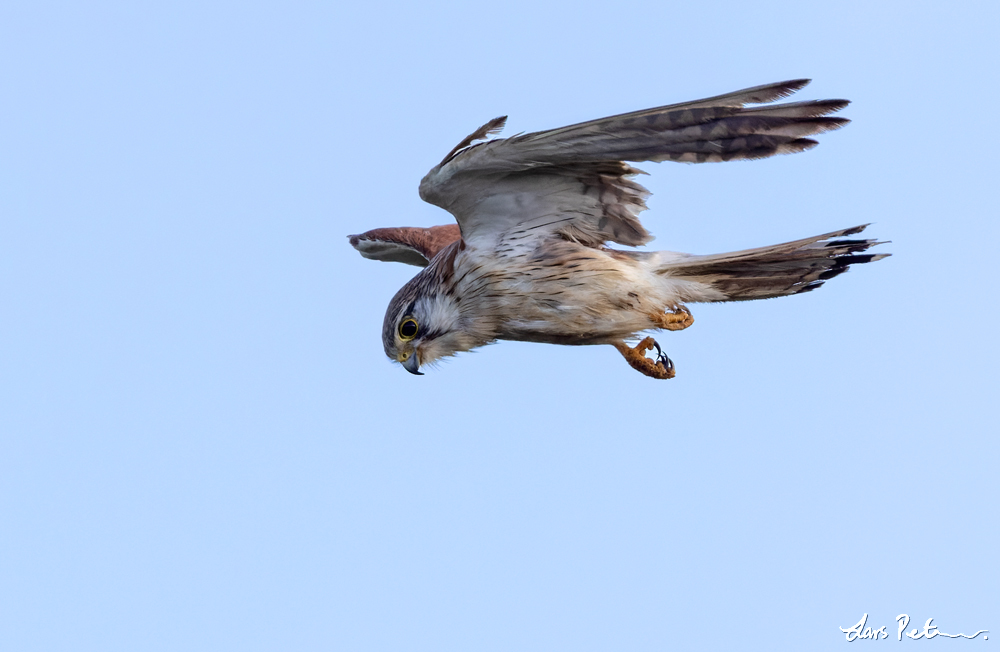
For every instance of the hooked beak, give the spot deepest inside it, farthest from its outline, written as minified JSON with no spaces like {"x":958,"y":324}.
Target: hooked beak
{"x":412,"y":364}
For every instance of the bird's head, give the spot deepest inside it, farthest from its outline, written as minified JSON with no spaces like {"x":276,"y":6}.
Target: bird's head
{"x":423,"y":324}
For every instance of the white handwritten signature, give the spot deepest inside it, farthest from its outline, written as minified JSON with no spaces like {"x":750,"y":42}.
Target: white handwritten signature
{"x":929,"y":632}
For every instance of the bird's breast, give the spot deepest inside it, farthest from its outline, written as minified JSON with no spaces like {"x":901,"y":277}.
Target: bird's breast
{"x":560,"y":293}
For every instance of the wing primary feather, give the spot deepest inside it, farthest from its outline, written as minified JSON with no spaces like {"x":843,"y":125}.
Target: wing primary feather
{"x":753,"y":95}
{"x":492,"y":127}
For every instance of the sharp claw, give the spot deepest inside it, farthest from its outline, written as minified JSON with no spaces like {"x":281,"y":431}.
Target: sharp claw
{"x":662,"y":358}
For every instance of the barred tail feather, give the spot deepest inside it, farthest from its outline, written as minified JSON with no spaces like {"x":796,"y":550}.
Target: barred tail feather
{"x":775,"y":271}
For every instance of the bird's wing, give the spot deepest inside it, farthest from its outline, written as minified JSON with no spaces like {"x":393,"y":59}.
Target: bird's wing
{"x":573,"y":181}
{"x":405,"y":244}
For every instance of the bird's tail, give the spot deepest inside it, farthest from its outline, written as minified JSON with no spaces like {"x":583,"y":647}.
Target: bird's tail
{"x":766,"y":272}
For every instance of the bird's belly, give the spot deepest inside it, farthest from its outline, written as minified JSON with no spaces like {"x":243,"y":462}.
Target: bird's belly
{"x":575,"y":311}
{"x":561,"y":292}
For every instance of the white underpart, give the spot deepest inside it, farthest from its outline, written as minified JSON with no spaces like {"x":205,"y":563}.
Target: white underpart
{"x":569,"y":293}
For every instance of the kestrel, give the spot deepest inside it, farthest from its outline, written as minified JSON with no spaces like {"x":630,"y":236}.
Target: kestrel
{"x":528,"y":259}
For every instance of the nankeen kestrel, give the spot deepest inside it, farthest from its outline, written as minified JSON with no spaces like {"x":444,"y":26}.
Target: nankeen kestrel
{"x":527,"y":260}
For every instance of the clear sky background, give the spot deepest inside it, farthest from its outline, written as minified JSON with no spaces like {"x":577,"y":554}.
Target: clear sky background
{"x":205,"y":448}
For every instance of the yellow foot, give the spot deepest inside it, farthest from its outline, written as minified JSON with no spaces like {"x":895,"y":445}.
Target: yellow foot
{"x":677,"y":320}
{"x":662,"y":368}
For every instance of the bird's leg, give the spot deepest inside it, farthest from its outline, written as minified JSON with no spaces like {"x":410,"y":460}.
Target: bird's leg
{"x":677,"y":320}
{"x":661,"y":368}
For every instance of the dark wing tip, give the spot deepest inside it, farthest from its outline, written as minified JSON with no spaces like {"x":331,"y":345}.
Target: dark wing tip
{"x":796,"y":84}
{"x":773,"y":92}
{"x":495,"y":125}
{"x":801,"y":145}
{"x":831,"y":124}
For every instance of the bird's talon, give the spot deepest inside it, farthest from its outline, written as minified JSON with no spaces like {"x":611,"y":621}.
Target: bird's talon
{"x":677,"y":319}
{"x":662,"y":367}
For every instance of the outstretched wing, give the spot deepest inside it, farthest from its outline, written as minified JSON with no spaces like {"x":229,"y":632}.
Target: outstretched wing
{"x":574,"y":181}
{"x":405,"y":244}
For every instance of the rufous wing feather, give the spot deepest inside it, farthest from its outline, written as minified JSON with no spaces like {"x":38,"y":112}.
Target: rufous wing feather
{"x":405,"y":244}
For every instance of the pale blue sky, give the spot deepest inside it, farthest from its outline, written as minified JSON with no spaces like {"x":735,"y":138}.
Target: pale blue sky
{"x":204,"y":447}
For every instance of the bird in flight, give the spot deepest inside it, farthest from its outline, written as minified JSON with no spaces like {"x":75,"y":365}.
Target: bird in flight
{"x":529,"y":260}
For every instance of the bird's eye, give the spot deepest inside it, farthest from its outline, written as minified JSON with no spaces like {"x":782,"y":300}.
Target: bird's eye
{"x":408,"y":329}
